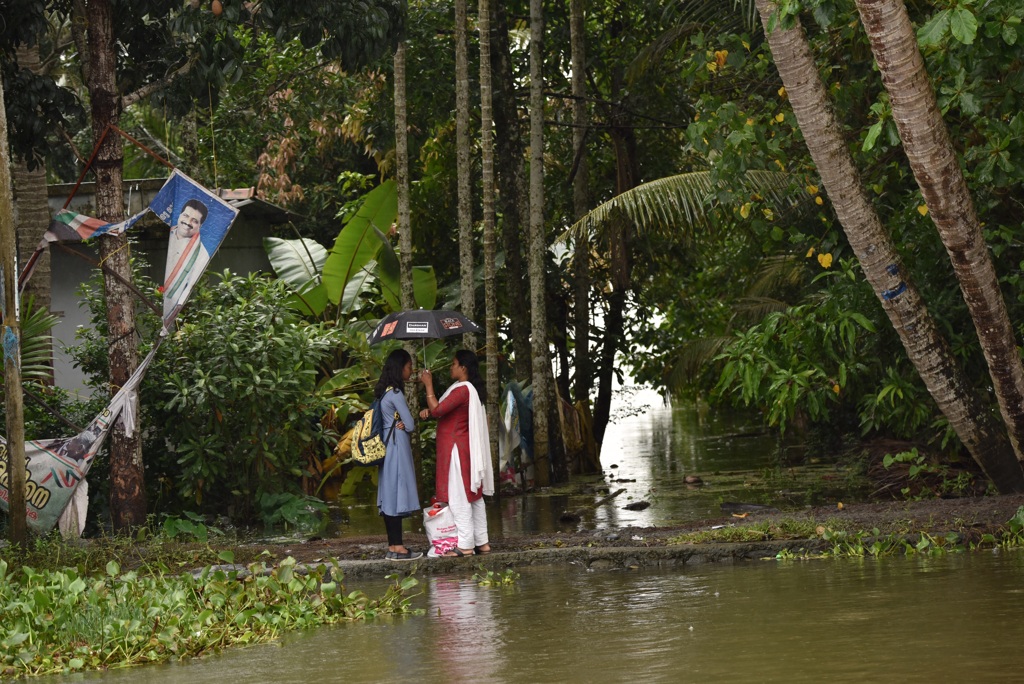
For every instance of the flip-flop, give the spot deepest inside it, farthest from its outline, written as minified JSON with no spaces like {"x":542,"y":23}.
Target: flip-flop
{"x":457,"y":553}
{"x":480,"y":552}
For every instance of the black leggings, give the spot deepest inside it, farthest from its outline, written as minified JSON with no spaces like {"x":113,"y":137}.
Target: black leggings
{"x":393,"y":525}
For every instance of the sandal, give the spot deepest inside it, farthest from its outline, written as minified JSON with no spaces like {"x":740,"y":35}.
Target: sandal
{"x":407,"y":556}
{"x":480,"y":551}
{"x":458,"y":553}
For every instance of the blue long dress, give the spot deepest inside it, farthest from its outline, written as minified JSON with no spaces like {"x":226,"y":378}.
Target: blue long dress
{"x":396,"y":484}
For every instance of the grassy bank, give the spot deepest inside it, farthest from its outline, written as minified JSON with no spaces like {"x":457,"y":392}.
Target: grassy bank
{"x":843,"y":538}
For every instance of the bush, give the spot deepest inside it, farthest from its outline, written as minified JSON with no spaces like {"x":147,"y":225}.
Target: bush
{"x":230,"y":404}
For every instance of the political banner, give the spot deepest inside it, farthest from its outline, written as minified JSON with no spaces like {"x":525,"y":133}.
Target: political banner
{"x":199,"y":221}
{"x":55,"y":468}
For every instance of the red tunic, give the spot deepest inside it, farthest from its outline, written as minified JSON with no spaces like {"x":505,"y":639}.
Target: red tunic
{"x":453,"y":430}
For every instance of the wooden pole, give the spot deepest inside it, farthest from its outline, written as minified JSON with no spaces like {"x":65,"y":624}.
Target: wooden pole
{"x":10,"y":336}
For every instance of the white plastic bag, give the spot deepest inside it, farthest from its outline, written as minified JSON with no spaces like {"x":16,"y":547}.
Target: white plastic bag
{"x":439,"y":524}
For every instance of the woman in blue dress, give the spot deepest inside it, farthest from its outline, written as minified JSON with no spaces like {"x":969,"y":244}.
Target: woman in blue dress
{"x":397,"y":497}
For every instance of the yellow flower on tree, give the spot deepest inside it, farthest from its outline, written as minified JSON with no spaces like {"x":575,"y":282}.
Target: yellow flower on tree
{"x":780,"y":117}
{"x":835,"y":388}
{"x":810,"y":253}
{"x":782,"y":92}
{"x":922,"y":209}
{"x":812,"y":189}
{"x":721,"y":56}
{"x":818,"y":200}
{"x":825,"y":259}
{"x":745,"y":210}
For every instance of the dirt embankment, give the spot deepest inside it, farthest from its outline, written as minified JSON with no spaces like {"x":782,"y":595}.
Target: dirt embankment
{"x":632,"y":547}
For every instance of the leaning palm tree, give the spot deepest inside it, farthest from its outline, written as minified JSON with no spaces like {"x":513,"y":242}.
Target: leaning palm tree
{"x":937,"y":170}
{"x":926,"y":348}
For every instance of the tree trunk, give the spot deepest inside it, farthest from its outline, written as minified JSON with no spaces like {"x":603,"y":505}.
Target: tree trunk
{"x":938,"y":173}
{"x":127,"y":486}
{"x":581,"y":203}
{"x":13,"y":454}
{"x":541,"y":362}
{"x":33,"y":212}
{"x":513,"y":198}
{"x":407,"y":296}
{"x":619,"y":245}
{"x":899,"y":297}
{"x":465,"y":198}
{"x":490,"y":248}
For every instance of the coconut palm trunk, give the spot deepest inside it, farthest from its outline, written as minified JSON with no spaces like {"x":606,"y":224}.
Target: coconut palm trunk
{"x":465,"y":198}
{"x":490,"y":243}
{"x":930,"y":353}
{"x":13,"y":454}
{"x":541,"y":362}
{"x":937,"y":171}
{"x":127,"y":487}
{"x":33,"y":211}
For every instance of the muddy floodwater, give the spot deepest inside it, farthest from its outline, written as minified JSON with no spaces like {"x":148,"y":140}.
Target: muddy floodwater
{"x":954,"y":618}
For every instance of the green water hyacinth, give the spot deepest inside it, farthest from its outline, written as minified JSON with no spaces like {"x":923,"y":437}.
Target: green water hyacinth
{"x":60,"y":621}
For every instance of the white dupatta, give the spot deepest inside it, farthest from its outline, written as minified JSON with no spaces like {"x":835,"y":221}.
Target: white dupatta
{"x":481,"y":472}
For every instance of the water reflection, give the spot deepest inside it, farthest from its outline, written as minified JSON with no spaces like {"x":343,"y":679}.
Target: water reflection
{"x":951,"y":618}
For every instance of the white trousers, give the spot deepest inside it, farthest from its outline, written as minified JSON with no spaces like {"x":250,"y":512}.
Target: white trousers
{"x":470,"y":517}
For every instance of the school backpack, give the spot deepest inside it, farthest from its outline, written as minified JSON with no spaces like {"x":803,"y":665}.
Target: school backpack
{"x":368,"y":443}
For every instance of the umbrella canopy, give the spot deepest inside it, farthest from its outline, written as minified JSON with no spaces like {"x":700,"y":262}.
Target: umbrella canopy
{"x":422,"y":324}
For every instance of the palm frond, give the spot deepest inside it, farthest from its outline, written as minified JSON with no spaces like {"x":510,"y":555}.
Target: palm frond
{"x":775,"y":274}
{"x":681,"y":203}
{"x":690,"y":359}
{"x":36,"y":343}
{"x":750,"y":310}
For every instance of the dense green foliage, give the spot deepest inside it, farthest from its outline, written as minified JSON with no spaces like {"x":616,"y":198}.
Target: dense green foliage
{"x":815,"y":352}
{"x":231,"y":402}
{"x":748,"y":294}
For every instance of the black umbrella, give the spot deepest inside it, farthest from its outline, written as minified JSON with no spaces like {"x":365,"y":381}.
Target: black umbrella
{"x":422,"y":324}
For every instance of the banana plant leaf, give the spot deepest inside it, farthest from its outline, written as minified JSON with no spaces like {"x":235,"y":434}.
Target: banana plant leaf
{"x":424,"y":282}
{"x":296,"y":262}
{"x":357,"y":244}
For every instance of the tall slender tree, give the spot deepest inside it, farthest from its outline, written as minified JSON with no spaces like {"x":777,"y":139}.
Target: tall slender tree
{"x":465,"y":199}
{"x":541,"y":361}
{"x":937,"y":170}
{"x":581,"y":201}
{"x":407,"y":296}
{"x":490,"y":243}
{"x":927,"y":349}
{"x":513,"y":198}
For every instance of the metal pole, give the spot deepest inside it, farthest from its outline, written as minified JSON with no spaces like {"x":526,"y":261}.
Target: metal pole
{"x":10,"y":336}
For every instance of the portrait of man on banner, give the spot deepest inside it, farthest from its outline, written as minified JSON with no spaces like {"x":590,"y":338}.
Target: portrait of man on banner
{"x":198,"y":222}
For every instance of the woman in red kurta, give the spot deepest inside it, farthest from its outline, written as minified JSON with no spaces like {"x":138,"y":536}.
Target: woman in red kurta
{"x":464,"y":472}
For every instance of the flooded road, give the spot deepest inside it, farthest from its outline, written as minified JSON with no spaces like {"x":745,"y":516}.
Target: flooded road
{"x":648,"y":452}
